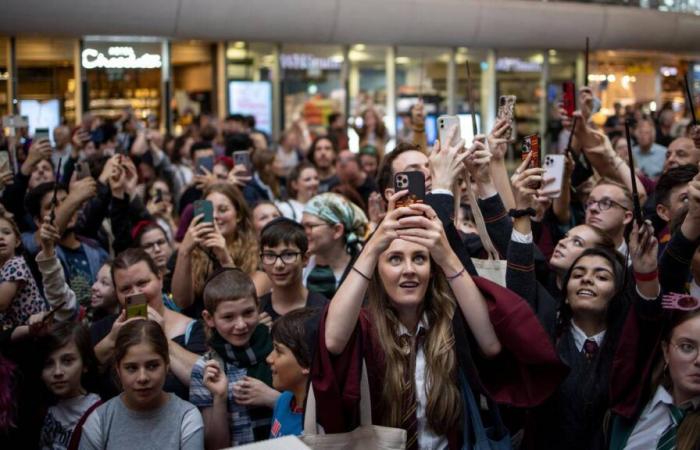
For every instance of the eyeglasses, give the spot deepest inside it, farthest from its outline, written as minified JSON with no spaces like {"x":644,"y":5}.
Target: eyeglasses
{"x":688,"y":351}
{"x":309,"y":227}
{"x":159,"y":243}
{"x":604,"y":204}
{"x":287,"y":258}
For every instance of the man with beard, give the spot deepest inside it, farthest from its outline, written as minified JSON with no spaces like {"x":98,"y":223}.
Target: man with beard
{"x":81,"y":258}
{"x":322,"y":154}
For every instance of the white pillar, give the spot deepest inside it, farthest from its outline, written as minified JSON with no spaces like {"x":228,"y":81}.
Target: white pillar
{"x":391,"y":89}
{"x":452,"y":82}
{"x":544,"y":81}
{"x":488,"y":93}
{"x":276,"y":77}
{"x":78,"y":77}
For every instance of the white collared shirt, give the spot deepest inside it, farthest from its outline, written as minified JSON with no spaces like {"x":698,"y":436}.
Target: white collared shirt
{"x":580,"y":337}
{"x":652,"y":423}
{"x":427,"y":439}
{"x":694,"y":289}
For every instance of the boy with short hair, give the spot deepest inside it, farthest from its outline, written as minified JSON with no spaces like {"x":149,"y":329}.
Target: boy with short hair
{"x":283,"y":252}
{"x":239,"y":346}
{"x":290,"y":362}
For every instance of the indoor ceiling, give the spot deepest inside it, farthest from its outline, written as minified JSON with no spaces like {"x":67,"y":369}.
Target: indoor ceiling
{"x":470,"y":23}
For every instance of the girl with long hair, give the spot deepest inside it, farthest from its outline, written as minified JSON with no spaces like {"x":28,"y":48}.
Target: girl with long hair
{"x":144,"y":416}
{"x":416,"y":290}
{"x":302,"y":185}
{"x":228,"y":242}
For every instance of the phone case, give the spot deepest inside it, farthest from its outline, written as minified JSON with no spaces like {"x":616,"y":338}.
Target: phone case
{"x":415,"y":183}
{"x":136,"y":306}
{"x":569,"y":97}
{"x":531,"y":144}
{"x":242,"y":158}
{"x":82,"y":171}
{"x":206,"y":208}
{"x":554,"y":168}
{"x":4,"y":160}
{"x":506,"y":106}
{"x":206,"y":162}
{"x":445,"y":123}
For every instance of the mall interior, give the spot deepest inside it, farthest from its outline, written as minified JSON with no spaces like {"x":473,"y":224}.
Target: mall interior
{"x":283,"y":60}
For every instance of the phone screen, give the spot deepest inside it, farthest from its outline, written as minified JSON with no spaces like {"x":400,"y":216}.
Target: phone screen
{"x":205,"y":162}
{"x":242,"y":158}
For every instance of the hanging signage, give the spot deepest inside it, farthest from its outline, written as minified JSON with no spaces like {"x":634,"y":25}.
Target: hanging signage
{"x":302,"y":61}
{"x":119,"y":57}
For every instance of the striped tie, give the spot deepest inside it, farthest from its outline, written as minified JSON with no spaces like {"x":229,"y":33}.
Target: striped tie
{"x":667,"y":441}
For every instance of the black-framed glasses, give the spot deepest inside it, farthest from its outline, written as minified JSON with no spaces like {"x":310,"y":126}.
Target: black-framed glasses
{"x":604,"y":204}
{"x":159,"y":243}
{"x":286,"y":257}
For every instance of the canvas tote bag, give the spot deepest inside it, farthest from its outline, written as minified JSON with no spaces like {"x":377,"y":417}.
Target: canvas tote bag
{"x":364,"y":437}
{"x":492,"y":268}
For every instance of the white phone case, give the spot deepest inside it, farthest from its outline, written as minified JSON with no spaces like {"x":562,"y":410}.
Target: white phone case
{"x":554,"y":168}
{"x":445,"y":122}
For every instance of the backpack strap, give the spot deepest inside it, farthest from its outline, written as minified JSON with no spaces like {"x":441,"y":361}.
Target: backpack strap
{"x":78,"y":430}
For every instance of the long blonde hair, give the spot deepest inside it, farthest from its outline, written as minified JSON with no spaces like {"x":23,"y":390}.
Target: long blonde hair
{"x":243,"y":246}
{"x":444,"y":404}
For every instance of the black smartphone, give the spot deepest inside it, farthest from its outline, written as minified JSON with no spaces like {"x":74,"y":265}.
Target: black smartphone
{"x":159,"y":195}
{"x":82,"y":170}
{"x":205,"y":162}
{"x":414,"y":182}
{"x":242,"y":158}
{"x":205,"y":208}
{"x":136,"y":306}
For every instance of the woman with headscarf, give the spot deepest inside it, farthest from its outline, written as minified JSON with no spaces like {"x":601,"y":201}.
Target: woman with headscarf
{"x":335,"y":228}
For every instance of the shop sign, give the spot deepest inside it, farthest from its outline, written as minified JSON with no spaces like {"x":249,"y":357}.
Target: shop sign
{"x":517,"y":65}
{"x":302,"y":61}
{"x":119,"y":57}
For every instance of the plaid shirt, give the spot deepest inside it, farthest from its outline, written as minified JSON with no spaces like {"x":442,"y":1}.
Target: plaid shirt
{"x":240,"y":425}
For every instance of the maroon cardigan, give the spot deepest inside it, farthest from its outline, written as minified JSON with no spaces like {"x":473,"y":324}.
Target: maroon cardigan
{"x":524,"y":374}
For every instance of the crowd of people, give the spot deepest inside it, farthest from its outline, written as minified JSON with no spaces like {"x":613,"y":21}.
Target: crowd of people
{"x":193,"y":291}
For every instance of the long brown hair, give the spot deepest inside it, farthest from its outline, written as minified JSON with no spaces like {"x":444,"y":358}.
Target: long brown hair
{"x":688,"y":433}
{"x":243,"y":247}
{"x":444,"y":404}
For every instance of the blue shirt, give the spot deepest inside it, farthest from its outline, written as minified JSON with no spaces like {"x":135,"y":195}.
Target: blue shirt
{"x":285,"y":421}
{"x":651,"y":162}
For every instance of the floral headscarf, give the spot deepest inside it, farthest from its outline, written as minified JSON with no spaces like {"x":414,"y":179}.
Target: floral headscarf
{"x":334,"y":208}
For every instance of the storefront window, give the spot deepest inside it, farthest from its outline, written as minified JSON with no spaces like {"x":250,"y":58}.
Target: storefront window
{"x":123,"y":76}
{"x":193,"y":79}
{"x":477,"y":66}
{"x":518,"y":73}
{"x":45,"y":81}
{"x":312,"y":88}
{"x":421,"y":72}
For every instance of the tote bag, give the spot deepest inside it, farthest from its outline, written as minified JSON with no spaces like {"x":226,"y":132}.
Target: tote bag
{"x":476,"y":437}
{"x":492,"y":268}
{"x":364,"y":437}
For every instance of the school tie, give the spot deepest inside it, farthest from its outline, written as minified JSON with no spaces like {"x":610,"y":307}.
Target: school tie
{"x":590,"y":348}
{"x":667,"y":441}
{"x":409,"y":420}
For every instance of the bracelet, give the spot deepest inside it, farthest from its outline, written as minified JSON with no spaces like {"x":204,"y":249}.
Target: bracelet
{"x":360,"y":273}
{"x":456,"y":275}
{"x":518,"y":213}
{"x":650,"y":276}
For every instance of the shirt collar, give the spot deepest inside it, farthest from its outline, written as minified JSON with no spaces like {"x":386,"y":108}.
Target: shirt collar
{"x":580,"y":337}
{"x":663,"y":396}
{"x":422,"y":325}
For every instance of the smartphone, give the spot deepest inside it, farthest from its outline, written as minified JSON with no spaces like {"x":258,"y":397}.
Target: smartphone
{"x":445,"y":124}
{"x":82,"y":170}
{"x":568,"y":89}
{"x":205,"y":162}
{"x":554,"y":168}
{"x":4,"y":160}
{"x":159,"y":195}
{"x":242,"y":158}
{"x":136,"y":306}
{"x":206,"y":208}
{"x":414,"y":182}
{"x":531,"y":144}
{"x":506,"y":106}
{"x":41,"y":133}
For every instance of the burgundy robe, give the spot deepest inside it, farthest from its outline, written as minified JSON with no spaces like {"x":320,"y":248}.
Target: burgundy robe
{"x":524,"y":374}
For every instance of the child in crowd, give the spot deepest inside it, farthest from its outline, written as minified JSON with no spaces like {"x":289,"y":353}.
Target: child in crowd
{"x":69,"y":365}
{"x":144,"y":416}
{"x":231,"y":383}
{"x":284,"y":255}
{"x":290,"y":362}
